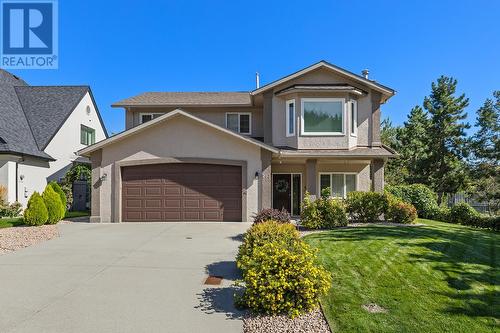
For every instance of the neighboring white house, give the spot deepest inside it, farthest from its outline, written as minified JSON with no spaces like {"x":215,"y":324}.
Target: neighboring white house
{"x":41,"y":128}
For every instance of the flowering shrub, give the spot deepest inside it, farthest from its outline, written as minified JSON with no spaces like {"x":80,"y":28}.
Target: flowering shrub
{"x":400,"y":212}
{"x":272,"y":214}
{"x":366,"y":207}
{"x":283,"y":279}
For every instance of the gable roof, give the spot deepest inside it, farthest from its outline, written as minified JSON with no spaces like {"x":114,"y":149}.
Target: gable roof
{"x":386,"y":91}
{"x":178,"y":112}
{"x":32,"y":115}
{"x":187,"y":99}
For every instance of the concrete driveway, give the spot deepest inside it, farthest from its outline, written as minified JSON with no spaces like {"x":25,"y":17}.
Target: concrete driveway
{"x":123,"y":278}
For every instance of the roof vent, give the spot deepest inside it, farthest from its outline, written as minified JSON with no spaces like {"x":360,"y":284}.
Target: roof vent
{"x":257,"y":80}
{"x":365,"y":73}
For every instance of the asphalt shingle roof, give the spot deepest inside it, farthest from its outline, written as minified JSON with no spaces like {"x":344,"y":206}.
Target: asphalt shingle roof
{"x":31,"y":115}
{"x":187,"y":98}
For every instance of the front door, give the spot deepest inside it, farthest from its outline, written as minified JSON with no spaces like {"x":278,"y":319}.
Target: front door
{"x":282,"y":191}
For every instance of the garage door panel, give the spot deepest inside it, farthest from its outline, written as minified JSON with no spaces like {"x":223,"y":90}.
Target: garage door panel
{"x":181,"y":192}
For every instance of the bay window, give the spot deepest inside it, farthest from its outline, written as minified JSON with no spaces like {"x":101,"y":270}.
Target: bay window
{"x":323,"y":116}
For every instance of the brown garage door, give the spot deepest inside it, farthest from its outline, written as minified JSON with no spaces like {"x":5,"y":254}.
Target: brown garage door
{"x":181,"y":192}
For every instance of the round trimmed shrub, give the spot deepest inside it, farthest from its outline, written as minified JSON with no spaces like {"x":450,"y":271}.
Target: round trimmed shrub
{"x":463,"y":213}
{"x":263,"y":233}
{"x":281,"y":279}
{"x":55,"y":186}
{"x":53,"y":204}
{"x":271,"y":214}
{"x":310,"y":216}
{"x":36,"y":213}
{"x":366,"y":207}
{"x":322,"y":213}
{"x":420,"y":196}
{"x":400,"y":212}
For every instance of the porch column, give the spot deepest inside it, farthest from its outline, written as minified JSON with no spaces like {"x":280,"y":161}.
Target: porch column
{"x":266,"y":186}
{"x":378,"y":175}
{"x":311,"y":171}
{"x":95,"y":208}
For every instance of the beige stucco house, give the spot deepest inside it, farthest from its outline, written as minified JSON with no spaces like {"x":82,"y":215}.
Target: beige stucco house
{"x":223,"y":156}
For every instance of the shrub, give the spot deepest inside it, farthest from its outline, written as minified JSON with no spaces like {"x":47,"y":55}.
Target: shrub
{"x":366,"y":207}
{"x":419,"y":195}
{"x":283,"y":279}
{"x":440,"y":213}
{"x":324,"y":212}
{"x":53,"y":204}
{"x":399,"y":211}
{"x":55,"y":186}
{"x":271,"y":214}
{"x":263,"y":233}
{"x":486,"y":222}
{"x":463,"y":213}
{"x":12,"y":210}
{"x":36,"y":213}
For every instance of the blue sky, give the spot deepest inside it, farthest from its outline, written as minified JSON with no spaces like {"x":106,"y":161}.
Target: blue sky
{"x":122,"y":48}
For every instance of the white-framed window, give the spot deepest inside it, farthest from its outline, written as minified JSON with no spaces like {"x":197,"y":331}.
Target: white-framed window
{"x":240,"y":122}
{"x":87,"y":135}
{"x":145,"y":117}
{"x":322,"y":116}
{"x":290,"y":117}
{"x":339,"y":183}
{"x":353,"y":116}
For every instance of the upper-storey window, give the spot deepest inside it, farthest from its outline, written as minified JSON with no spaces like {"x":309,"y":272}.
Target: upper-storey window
{"x":353,"y":107}
{"x":323,"y":116}
{"x":290,"y":117}
{"x":144,"y":117}
{"x":240,"y":122}
{"x":87,"y":135}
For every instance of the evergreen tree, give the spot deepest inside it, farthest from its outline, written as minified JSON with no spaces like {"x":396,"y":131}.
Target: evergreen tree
{"x":395,"y":168}
{"x":446,"y":138}
{"x":485,"y":159}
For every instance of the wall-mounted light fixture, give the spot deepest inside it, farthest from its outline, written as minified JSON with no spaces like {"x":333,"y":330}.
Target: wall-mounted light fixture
{"x":103,"y":177}
{"x":256,"y":174}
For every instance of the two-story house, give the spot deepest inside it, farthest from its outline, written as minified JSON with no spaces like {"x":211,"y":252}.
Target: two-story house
{"x":41,"y":129}
{"x":223,"y":156}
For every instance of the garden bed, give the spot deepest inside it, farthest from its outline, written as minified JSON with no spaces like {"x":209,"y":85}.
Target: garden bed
{"x":312,"y":322}
{"x":15,"y":238}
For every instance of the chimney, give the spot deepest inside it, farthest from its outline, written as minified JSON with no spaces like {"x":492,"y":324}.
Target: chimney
{"x":257,"y":80}
{"x":365,"y":73}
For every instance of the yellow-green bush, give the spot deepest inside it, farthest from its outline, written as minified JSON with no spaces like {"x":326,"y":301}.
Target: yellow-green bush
{"x":263,"y":233}
{"x":53,"y":203}
{"x":283,"y":278}
{"x":57,"y":188}
{"x":36,"y":213}
{"x":322,"y":213}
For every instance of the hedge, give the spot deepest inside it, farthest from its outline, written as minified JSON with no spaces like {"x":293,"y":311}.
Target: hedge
{"x":419,"y":195}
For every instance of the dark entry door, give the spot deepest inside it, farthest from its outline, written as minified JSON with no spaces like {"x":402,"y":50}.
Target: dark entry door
{"x":282,"y":191}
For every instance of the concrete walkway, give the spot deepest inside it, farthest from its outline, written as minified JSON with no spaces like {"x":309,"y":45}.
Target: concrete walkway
{"x":123,"y":278}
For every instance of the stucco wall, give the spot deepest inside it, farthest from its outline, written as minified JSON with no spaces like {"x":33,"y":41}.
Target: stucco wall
{"x":62,"y":147}
{"x":177,"y":137}
{"x":216,"y":115}
{"x":8,"y":177}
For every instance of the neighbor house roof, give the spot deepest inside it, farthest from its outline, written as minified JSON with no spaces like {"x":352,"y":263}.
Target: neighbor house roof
{"x":32,"y":115}
{"x":386,"y":91}
{"x":187,"y":99}
{"x":134,"y":130}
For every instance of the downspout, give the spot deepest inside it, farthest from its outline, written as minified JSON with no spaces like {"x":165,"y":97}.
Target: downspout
{"x":17,"y":181}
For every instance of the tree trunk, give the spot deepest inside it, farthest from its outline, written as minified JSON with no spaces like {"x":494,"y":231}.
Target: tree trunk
{"x":440,"y":198}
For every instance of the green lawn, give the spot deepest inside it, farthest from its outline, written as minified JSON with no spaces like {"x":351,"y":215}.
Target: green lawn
{"x":10,"y":222}
{"x":77,"y":214}
{"x":436,"y":278}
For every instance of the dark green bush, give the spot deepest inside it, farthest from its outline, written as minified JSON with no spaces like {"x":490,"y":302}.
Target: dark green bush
{"x":36,"y":213}
{"x":53,"y":204}
{"x":281,"y":277}
{"x":322,"y":213}
{"x":440,"y":213}
{"x":399,"y":211}
{"x":366,"y":207}
{"x":486,"y":222}
{"x":55,"y":186}
{"x":262,"y":233}
{"x":463,"y":213}
{"x":419,"y":195}
{"x":272,"y":214}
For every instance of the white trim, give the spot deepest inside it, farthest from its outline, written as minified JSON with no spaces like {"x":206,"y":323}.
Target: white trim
{"x":287,"y":116}
{"x":338,"y":173}
{"x":152,"y":114}
{"x":353,"y":131}
{"x":333,"y":68}
{"x":291,"y":190}
{"x":303,"y":133}
{"x":142,"y":127}
{"x":239,"y":121}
